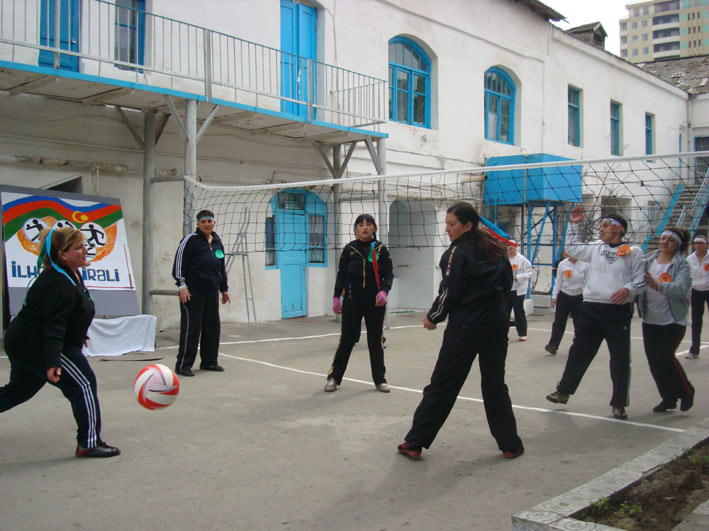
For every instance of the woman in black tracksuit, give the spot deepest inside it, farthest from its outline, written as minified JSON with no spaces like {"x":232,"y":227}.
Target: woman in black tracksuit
{"x":44,"y":342}
{"x":200,"y":273}
{"x":364,"y":276}
{"x":477,"y":278}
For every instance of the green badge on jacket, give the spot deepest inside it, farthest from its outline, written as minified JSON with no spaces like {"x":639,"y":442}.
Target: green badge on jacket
{"x":219,"y":253}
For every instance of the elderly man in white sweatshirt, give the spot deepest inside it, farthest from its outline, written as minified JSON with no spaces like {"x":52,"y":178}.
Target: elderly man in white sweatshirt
{"x":616,"y":275}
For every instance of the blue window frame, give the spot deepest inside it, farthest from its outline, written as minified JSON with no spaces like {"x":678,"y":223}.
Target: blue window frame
{"x":314,"y":228}
{"x":649,"y":126}
{"x":499,"y":106}
{"x":130,"y":32}
{"x":615,"y":128}
{"x":574,"y":116}
{"x":409,"y":83}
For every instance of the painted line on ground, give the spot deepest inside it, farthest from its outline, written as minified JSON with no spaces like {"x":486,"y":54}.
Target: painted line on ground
{"x":466,"y":398}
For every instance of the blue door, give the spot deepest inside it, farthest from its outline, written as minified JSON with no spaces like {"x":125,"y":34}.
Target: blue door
{"x":298,"y":44}
{"x":292,"y":248}
{"x":68,"y":33}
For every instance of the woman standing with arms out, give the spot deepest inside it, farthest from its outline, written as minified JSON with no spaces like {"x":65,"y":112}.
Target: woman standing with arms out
{"x":364,"y":275}
{"x":664,"y":307}
{"x":44,"y":342}
{"x":521,"y":273}
{"x":201,"y":275}
{"x":477,"y":278}
{"x":699,"y":266}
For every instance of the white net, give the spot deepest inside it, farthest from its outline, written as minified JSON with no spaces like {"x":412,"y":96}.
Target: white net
{"x":528,"y":202}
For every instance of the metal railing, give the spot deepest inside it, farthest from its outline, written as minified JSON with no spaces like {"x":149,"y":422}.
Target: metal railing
{"x":102,"y":38}
{"x":697,"y":208}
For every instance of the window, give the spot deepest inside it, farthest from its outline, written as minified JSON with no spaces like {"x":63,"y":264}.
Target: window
{"x":666,"y":47}
{"x":660,"y":34}
{"x":574,"y":116}
{"x":646,"y":50}
{"x":644,"y":36}
{"x":634,"y":25}
{"x":649,"y":122}
{"x":499,"y":106}
{"x":665,"y":19}
{"x":672,"y":5}
{"x":316,"y":239}
{"x":643,"y":24}
{"x":646,"y":10}
{"x":270,"y":242}
{"x":635,"y":52}
{"x":623,"y":26}
{"x":615,"y":128}
{"x":624,"y":53}
{"x":130,"y":32}
{"x":624,"y":40}
{"x":409,"y":83}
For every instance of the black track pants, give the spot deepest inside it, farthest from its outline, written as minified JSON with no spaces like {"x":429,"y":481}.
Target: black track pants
{"x":77,"y":383}
{"x":352,"y":315}
{"x":699,"y":299}
{"x":598,"y":322}
{"x":458,"y":351}
{"x":661,"y":343}
{"x":565,"y":305}
{"x":199,"y":317}
{"x":516,"y":303}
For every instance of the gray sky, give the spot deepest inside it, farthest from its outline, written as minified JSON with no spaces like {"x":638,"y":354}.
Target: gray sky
{"x":579,"y":12}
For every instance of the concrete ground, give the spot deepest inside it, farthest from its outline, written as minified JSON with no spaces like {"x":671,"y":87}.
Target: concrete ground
{"x":262,"y":447}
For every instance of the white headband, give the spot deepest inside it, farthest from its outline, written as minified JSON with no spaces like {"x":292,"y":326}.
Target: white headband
{"x":673,"y":235}
{"x":700,"y":239}
{"x":612,"y":222}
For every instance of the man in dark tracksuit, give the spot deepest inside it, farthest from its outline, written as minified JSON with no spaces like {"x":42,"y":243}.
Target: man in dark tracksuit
{"x":200,"y":273}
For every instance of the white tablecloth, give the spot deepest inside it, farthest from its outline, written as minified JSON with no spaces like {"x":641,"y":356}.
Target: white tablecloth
{"x":113,"y":337}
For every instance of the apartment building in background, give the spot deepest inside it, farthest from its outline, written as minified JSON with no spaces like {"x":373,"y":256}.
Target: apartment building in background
{"x":664,"y":29}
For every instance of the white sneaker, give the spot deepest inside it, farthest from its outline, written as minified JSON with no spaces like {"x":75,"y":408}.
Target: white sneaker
{"x":523,"y":338}
{"x":692,"y":356}
{"x":383,"y":387}
{"x":331,"y":385}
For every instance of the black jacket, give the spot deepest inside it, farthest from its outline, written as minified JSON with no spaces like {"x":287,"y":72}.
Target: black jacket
{"x":199,"y":266}
{"x":355,"y":273}
{"x":55,"y":316}
{"x":474,"y":288}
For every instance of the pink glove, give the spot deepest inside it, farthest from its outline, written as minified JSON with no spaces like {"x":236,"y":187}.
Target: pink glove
{"x":336,"y":305}
{"x":381,"y":298}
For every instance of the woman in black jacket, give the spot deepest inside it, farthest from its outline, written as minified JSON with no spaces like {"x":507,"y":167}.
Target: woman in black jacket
{"x":45,"y":340}
{"x":364,"y":277}
{"x":476,"y":280}
{"x":200,"y":273}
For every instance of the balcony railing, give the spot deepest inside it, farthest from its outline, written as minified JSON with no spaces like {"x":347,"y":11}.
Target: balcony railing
{"x":104,"y":39}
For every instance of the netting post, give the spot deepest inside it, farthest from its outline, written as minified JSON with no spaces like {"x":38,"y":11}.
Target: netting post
{"x":337,"y":191}
{"x":148,"y":175}
{"x":190,"y":164}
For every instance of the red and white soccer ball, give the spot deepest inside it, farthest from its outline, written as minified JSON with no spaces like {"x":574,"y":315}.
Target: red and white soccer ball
{"x":156,"y":386}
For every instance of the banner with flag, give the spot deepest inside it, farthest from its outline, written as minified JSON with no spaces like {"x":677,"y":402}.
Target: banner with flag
{"x":26,"y":212}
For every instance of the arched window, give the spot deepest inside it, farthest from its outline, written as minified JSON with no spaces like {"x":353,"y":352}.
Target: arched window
{"x":499,"y":106}
{"x":409,"y":83}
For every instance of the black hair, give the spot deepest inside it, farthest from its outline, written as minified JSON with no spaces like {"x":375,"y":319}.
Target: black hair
{"x":683,"y":235}
{"x":203,"y":213}
{"x":369,"y":219}
{"x":465,"y":212}
{"x":620,"y":219}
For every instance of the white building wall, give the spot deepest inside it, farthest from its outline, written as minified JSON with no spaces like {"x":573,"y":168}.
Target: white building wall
{"x":462,"y":44}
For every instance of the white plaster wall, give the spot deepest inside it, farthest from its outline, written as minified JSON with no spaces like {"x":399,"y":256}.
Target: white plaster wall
{"x":462,"y":42}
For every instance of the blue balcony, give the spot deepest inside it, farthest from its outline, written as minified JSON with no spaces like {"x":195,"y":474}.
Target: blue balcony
{"x":121,"y":56}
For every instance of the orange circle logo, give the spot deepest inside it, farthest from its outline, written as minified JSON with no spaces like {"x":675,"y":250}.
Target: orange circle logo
{"x":568,"y":273}
{"x":623,"y":250}
{"x":515,"y":267}
{"x":664,"y":277}
{"x":706,"y":267}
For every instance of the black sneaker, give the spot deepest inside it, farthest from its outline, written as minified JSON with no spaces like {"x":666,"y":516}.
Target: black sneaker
{"x":551,"y":350}
{"x":619,"y":413}
{"x":685,"y":404}
{"x":558,"y":398}
{"x":410,"y":450}
{"x":215,"y":368}
{"x":665,"y":405}
{"x":185,"y":372}
{"x":102,"y":450}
